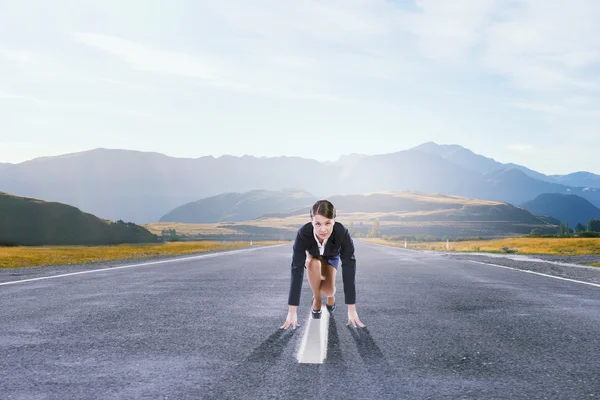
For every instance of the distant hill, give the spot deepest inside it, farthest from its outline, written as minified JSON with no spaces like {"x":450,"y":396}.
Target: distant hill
{"x":399,"y":213}
{"x":27,"y":221}
{"x":240,"y":206}
{"x":416,"y":206}
{"x":565,"y":207}
{"x":143,"y":187}
{"x":521,"y":185}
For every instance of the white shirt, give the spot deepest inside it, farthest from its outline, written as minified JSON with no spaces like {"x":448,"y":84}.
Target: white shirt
{"x":321,"y":246}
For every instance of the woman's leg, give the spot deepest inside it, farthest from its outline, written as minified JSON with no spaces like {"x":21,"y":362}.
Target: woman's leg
{"x":313,"y":267}
{"x":328,"y":285}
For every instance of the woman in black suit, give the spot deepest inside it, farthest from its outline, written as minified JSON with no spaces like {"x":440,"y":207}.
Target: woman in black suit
{"x":319,"y":247}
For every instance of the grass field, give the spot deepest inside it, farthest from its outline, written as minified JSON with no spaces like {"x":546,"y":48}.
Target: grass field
{"x":558,"y":246}
{"x":17,"y":257}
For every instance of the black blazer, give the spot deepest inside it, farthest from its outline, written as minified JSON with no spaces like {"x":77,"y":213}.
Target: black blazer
{"x":339,"y":244}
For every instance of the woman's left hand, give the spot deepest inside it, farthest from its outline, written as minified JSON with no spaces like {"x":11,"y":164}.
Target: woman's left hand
{"x":353,"y":319}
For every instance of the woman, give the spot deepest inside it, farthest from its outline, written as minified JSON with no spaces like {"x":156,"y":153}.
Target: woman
{"x":318,"y":248}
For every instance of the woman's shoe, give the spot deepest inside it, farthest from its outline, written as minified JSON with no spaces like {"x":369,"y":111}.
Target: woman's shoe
{"x":316,"y":314}
{"x":330,"y":307}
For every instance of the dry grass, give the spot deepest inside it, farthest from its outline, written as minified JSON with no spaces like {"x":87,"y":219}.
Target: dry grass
{"x":290,"y":224}
{"x":434,"y":198}
{"x":188,"y":229}
{"x":560,"y":246}
{"x":16,"y":257}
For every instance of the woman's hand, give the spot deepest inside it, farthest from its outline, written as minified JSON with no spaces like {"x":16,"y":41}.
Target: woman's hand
{"x":291,"y":320}
{"x":353,"y":317}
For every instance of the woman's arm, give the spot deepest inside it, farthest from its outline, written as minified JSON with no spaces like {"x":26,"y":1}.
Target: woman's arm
{"x":297,"y":276}
{"x":297,"y":270}
{"x":348,"y":268}
{"x":349,"y":277}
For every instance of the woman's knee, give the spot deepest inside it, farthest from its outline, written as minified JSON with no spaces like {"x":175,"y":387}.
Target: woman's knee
{"x":312,"y":262}
{"x":328,"y":289}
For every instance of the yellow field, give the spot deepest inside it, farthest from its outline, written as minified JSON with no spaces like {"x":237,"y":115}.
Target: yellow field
{"x":189,"y":229}
{"x":16,"y":257}
{"x":560,"y":246}
{"x":290,"y":223}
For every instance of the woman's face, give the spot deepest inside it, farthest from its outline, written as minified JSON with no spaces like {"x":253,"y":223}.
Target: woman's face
{"x":323,"y":226}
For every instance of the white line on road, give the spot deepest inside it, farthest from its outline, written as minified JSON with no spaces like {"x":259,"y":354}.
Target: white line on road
{"x":137,"y":265}
{"x":313,"y":348}
{"x":537,"y":273}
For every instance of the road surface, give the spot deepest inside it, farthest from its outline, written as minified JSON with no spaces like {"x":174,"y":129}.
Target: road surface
{"x":208,"y":327}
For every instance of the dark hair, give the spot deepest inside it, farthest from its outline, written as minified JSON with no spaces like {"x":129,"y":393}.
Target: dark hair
{"x":324,"y":208}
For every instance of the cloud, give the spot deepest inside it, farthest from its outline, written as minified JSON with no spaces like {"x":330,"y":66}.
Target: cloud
{"x":545,"y":47}
{"x":541,"y":107}
{"x":212,"y":70}
{"x":146,"y":58}
{"x":331,"y":21}
{"x":520,"y":147}
{"x":449,"y":31}
{"x":536,"y":45}
{"x":38,"y":66}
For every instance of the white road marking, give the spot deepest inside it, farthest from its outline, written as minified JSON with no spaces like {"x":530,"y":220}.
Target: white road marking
{"x":537,"y":273}
{"x":313,"y":347}
{"x":137,"y":265}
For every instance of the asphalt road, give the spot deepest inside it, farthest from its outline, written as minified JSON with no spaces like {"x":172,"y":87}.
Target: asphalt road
{"x":208,"y":327}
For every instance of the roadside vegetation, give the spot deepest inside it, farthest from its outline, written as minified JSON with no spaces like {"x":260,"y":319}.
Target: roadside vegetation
{"x":522,"y":245}
{"x":36,"y":256}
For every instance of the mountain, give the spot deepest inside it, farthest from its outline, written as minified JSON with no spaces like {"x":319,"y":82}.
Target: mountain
{"x":468,"y":159}
{"x":350,"y":159}
{"x":27,"y":221}
{"x":4,"y":165}
{"x":582,"y":179}
{"x":409,"y":170}
{"x":143,"y":187}
{"x":461,"y":156}
{"x":521,"y":185}
{"x":240,"y":206}
{"x":427,"y":172}
{"x":399,"y":213}
{"x":514,"y":186}
{"x":565,"y":207}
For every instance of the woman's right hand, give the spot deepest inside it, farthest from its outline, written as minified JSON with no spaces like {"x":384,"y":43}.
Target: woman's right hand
{"x":291,"y":320}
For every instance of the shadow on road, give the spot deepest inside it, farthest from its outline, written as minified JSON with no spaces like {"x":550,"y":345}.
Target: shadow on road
{"x":367,"y":348}
{"x":234,"y":383}
{"x":334,"y":351}
{"x":272,"y":348}
{"x":384,"y":380}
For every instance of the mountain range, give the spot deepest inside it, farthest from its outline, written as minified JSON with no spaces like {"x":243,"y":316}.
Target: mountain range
{"x":142,"y":187}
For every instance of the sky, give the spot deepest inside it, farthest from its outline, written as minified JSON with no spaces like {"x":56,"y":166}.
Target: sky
{"x":514,"y":80}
